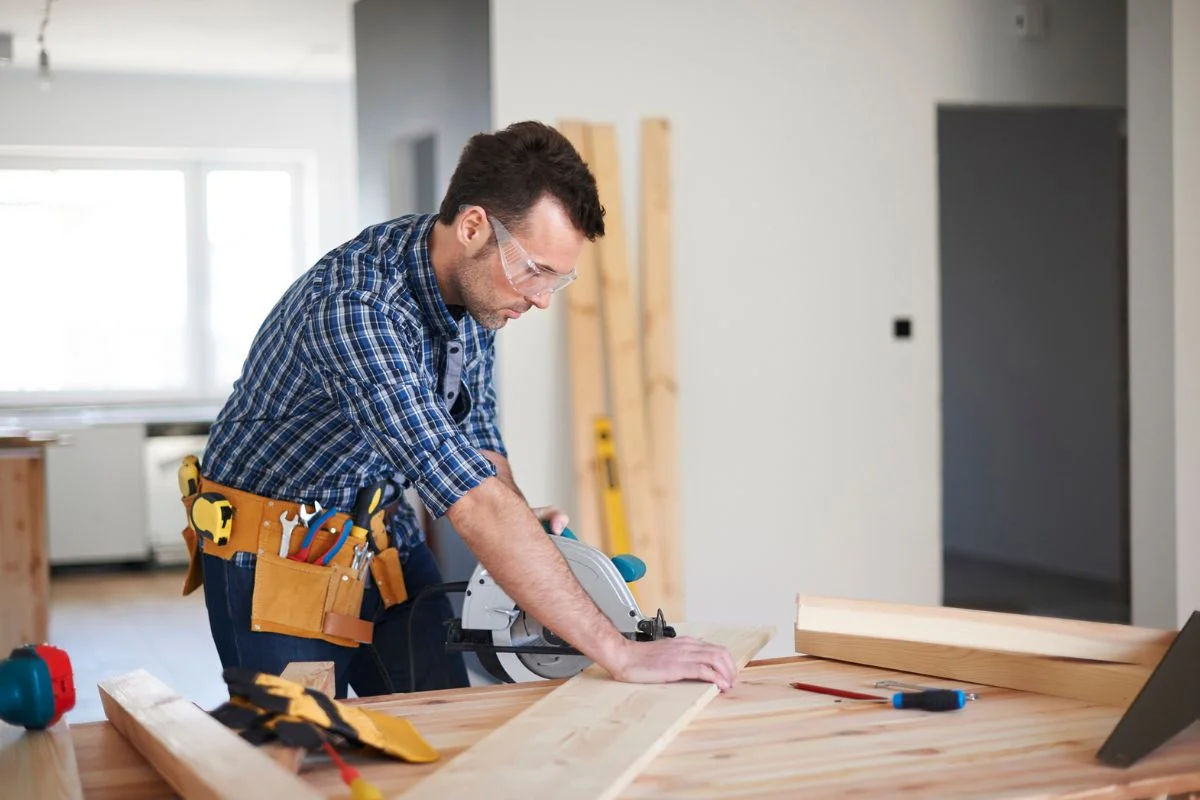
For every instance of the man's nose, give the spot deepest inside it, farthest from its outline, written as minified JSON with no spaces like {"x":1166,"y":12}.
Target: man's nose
{"x":542,"y":301}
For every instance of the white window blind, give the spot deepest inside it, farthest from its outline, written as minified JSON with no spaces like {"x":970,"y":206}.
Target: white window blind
{"x":138,"y":281}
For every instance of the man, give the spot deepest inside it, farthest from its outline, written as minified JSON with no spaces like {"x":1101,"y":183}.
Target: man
{"x":378,"y":362}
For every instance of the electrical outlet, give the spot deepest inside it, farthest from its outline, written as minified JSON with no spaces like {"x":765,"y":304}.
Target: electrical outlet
{"x":1029,"y":20}
{"x":902,"y":328}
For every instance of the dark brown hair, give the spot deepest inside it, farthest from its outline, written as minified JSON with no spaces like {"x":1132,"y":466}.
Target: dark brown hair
{"x":508,"y":171}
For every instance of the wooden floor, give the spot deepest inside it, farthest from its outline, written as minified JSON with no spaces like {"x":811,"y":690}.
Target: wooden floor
{"x":115,"y":622}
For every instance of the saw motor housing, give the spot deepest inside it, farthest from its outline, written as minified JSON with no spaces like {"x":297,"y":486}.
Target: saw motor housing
{"x":515,"y":648}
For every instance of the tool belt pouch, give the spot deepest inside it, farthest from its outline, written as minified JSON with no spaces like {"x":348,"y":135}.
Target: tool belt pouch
{"x":195,"y":573}
{"x":389,"y":577}
{"x":308,"y":600}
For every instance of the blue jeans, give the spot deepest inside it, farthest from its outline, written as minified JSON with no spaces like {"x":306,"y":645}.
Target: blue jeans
{"x":375,"y":668}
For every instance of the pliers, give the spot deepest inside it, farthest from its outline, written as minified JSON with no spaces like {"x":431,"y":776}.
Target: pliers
{"x":314,"y":523}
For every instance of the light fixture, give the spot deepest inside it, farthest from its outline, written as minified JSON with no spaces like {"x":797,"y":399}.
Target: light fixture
{"x":44,"y":76}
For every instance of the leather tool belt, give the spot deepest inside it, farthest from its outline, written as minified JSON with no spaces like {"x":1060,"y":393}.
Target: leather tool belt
{"x":298,"y":597}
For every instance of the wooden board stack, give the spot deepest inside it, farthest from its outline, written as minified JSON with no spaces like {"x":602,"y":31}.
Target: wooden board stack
{"x":1099,"y":662}
{"x":624,"y":372}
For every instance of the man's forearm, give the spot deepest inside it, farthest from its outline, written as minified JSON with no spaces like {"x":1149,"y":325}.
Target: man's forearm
{"x":503,"y":471}
{"x":506,"y":537}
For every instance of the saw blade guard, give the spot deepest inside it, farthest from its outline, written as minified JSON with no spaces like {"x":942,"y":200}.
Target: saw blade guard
{"x":488,"y":607}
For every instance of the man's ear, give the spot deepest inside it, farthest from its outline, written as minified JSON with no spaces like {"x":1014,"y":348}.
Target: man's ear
{"x":473,"y":230}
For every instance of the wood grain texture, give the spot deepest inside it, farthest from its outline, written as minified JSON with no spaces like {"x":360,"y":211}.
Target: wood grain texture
{"x":318,"y":675}
{"x":658,"y":330}
{"x":585,"y":362}
{"x":1108,"y":684}
{"x":984,"y":630}
{"x":24,"y":569}
{"x":765,"y":739}
{"x":39,"y":765}
{"x":588,"y":738}
{"x":622,"y":337}
{"x":198,"y":756}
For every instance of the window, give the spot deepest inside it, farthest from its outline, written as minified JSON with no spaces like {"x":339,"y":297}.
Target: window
{"x":138,"y":280}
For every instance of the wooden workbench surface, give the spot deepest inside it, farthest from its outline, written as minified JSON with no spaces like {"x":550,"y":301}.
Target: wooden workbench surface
{"x":766,"y":739}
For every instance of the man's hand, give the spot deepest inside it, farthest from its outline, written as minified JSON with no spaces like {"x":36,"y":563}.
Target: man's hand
{"x":558,"y":519}
{"x":677,"y":659}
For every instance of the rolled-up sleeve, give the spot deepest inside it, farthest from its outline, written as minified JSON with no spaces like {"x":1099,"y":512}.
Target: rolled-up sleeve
{"x":358,"y":348}
{"x":481,"y":426}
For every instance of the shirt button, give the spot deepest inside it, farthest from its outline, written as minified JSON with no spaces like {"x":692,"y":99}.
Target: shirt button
{"x":450,"y":395}
{"x":453,"y":351}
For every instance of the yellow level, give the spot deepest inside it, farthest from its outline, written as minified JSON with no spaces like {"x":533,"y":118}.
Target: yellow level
{"x":616,"y":531}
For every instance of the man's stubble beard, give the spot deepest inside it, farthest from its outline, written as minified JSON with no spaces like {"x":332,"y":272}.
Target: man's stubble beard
{"x":474,"y":286}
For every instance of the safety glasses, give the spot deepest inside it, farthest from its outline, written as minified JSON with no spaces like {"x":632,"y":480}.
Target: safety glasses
{"x":527,"y":276}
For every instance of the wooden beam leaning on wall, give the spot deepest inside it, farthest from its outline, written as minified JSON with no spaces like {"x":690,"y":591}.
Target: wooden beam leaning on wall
{"x":1097,"y":662}
{"x":658,"y":329}
{"x":585,"y":362}
{"x":588,"y":738}
{"x":622,"y":337}
{"x":197,"y":755}
{"x":39,"y":765}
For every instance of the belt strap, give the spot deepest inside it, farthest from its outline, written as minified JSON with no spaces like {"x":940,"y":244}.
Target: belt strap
{"x":347,"y":627}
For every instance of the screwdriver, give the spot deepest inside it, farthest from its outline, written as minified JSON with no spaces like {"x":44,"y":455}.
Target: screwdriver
{"x":926,"y":699}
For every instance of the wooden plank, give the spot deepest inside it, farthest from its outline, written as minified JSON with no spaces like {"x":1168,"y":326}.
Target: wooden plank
{"x":585,"y":360}
{"x":198,"y":756}
{"x":623,"y":347}
{"x":587,"y":739}
{"x":39,"y":765}
{"x":1096,"y":682}
{"x":984,"y":630}
{"x":111,"y":769}
{"x":24,"y":569}
{"x":318,"y":675}
{"x":658,"y":329}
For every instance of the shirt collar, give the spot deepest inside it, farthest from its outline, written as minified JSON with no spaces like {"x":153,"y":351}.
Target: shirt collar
{"x":422,"y":280}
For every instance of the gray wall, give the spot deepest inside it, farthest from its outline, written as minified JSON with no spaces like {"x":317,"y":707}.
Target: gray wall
{"x":423,"y":70}
{"x":1033,"y":337}
{"x":423,"y":88}
{"x":1152,"y":313}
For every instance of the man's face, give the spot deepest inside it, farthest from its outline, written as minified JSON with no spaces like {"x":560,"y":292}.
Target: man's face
{"x":547,"y":238}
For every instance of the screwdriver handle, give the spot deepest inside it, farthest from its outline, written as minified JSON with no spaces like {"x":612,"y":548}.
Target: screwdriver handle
{"x":931,"y":699}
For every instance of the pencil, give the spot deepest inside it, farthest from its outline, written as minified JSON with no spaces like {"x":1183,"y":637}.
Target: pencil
{"x":811,"y":687}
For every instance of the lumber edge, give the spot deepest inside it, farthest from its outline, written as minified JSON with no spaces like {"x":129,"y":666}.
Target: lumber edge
{"x":194,"y":753}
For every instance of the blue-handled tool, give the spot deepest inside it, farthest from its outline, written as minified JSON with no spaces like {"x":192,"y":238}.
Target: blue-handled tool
{"x":336,"y":546}
{"x":314,"y":524}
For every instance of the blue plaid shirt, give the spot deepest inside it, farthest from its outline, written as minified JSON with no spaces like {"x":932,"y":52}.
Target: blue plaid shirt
{"x":361,"y":372}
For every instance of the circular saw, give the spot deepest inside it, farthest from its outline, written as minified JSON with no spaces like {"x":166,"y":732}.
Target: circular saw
{"x":516,"y":648}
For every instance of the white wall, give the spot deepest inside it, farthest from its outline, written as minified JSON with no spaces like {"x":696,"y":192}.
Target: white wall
{"x":101,"y":110}
{"x":1185,"y":54}
{"x":805,"y":219}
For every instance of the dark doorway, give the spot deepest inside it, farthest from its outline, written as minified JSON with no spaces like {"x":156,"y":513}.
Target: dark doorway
{"x":1034,"y":360}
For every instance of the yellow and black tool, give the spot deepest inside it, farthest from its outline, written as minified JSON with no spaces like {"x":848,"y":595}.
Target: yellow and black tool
{"x":189,"y":476}
{"x":616,"y":531}
{"x":265,"y":707}
{"x":211,"y":516}
{"x":368,"y":500}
